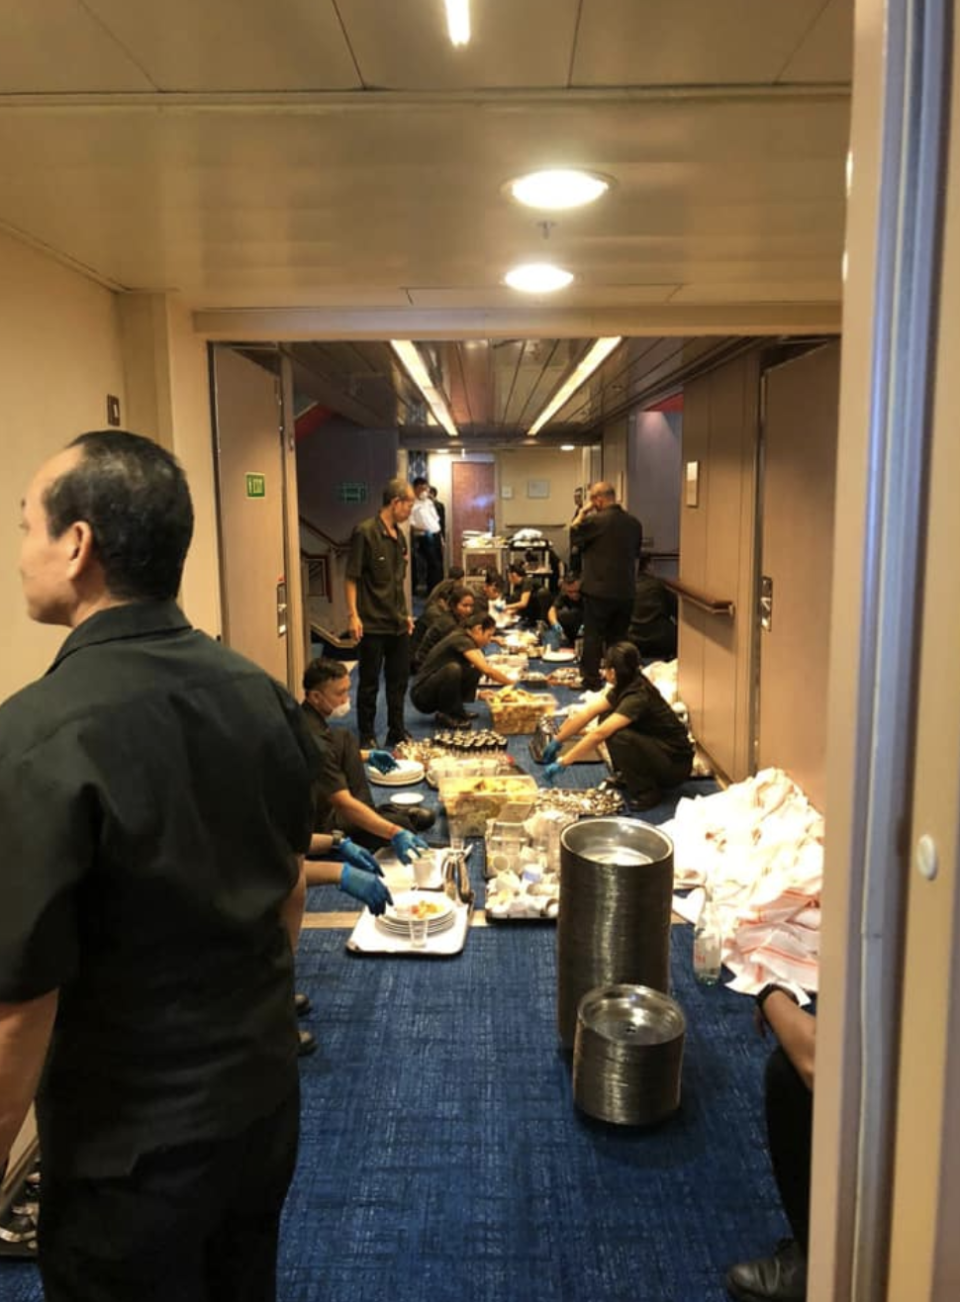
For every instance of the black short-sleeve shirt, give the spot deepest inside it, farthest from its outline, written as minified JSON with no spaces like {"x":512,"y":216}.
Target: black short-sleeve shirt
{"x":650,"y":714}
{"x":378,"y":565}
{"x":155,"y":791}
{"x":449,"y":650}
{"x":341,"y":767}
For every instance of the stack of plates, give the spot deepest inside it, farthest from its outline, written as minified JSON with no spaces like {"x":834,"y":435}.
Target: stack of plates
{"x":440,"y":913}
{"x":407,"y":771}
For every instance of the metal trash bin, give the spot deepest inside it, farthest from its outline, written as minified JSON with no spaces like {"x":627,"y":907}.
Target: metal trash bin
{"x":616,"y":894}
{"x":628,"y":1055}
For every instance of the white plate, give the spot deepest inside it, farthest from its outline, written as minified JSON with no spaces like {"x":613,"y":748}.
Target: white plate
{"x":407,"y":798}
{"x":401,"y":928}
{"x":563,"y":656}
{"x":440,"y":906}
{"x":406,"y":772}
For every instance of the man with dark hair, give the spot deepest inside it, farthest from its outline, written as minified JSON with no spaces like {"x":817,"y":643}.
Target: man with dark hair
{"x":609,"y":542}
{"x":344,"y":802}
{"x":155,"y":805}
{"x":490,"y":590}
{"x":428,"y":538}
{"x":451,"y":673}
{"x":379,"y":616}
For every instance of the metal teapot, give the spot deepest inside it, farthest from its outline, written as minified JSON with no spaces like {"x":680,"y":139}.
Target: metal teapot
{"x":456,"y":877}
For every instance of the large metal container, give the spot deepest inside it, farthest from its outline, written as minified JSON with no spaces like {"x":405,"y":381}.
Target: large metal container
{"x":616,"y":892}
{"x":628,"y":1055}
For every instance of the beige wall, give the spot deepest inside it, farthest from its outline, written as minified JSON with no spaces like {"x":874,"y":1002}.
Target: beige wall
{"x":561,"y":470}
{"x":717,"y":558}
{"x":60,"y":355}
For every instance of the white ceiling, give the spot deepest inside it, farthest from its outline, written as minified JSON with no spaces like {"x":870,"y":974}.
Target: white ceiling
{"x":335,"y":154}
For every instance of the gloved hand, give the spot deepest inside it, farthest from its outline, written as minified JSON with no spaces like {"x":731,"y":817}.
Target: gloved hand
{"x":550,"y":751}
{"x":356,"y":855}
{"x":382,"y":761}
{"x":551,"y":771}
{"x":407,"y":845}
{"x":366,"y":887}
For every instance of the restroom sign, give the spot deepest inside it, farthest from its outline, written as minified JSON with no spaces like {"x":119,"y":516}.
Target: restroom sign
{"x":256,"y":485}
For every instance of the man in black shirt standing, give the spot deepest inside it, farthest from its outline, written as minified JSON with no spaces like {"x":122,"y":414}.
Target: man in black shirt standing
{"x":155,"y":804}
{"x":609,"y":541}
{"x":379,"y":617}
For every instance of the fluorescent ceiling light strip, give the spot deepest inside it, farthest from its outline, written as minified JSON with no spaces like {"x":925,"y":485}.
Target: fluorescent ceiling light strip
{"x":458,"y":21}
{"x":409,"y":355}
{"x":597,"y":355}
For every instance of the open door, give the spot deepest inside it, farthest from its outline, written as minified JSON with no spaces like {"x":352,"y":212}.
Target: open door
{"x":259,"y":559}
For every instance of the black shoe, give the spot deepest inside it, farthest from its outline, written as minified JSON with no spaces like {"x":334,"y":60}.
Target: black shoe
{"x":469,"y":714}
{"x":646,"y":800}
{"x":421,"y":820}
{"x":398,"y":738}
{"x":302,"y":1004}
{"x":369,"y":743}
{"x":453,"y":721}
{"x":308,"y":1044}
{"x":780,"y":1278}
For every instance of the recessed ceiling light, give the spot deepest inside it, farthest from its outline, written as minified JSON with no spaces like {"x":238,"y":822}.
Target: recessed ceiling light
{"x":568,"y":447}
{"x":441,"y":452}
{"x":558,"y":188}
{"x":538,"y":278}
{"x":458,"y":21}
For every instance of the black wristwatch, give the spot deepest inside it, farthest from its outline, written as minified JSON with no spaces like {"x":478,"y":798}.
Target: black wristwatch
{"x":769,"y":989}
{"x":337,"y":839}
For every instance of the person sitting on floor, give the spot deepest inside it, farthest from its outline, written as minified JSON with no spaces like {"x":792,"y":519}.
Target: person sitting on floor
{"x":451,"y":673}
{"x":343,"y":795}
{"x":653,"y":621}
{"x":788,"y":1095}
{"x":521,"y":593}
{"x":456,"y":611}
{"x":434,"y":606}
{"x":490,"y":590}
{"x":648,"y":745}
{"x":566,"y":613}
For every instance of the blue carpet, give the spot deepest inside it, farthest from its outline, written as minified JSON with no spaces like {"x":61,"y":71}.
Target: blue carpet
{"x":442,"y":1155}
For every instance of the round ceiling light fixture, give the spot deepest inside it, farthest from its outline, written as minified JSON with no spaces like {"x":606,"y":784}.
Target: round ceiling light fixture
{"x":568,"y":447}
{"x":538,"y":278}
{"x":556,"y":189}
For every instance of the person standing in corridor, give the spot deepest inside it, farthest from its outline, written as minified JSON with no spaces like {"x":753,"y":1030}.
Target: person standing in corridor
{"x":378,"y":614}
{"x":609,"y":540}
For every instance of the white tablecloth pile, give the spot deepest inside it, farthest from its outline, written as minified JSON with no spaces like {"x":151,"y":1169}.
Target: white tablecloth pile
{"x":758,"y":849}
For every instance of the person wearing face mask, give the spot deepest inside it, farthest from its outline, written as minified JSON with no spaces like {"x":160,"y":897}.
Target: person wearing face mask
{"x":344,"y":802}
{"x":428,"y":538}
{"x":649,"y":746}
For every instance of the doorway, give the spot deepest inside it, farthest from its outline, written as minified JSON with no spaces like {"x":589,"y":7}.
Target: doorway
{"x":473,"y":485}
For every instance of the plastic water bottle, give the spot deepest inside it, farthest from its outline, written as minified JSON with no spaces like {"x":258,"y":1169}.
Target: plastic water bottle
{"x":707,"y":944}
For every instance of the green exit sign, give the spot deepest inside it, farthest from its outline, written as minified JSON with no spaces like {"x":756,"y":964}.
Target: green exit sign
{"x":351,"y":492}
{"x":256,"y":485}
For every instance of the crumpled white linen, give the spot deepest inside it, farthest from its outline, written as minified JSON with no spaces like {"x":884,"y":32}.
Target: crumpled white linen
{"x":758,"y":848}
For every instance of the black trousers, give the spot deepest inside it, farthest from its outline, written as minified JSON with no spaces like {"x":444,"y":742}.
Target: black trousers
{"x":430,"y":550}
{"x":197,"y":1223}
{"x":646,"y":765}
{"x":605,"y":621}
{"x":571,"y":621}
{"x":789,"y":1106}
{"x":445,"y":691}
{"x":389,"y":652}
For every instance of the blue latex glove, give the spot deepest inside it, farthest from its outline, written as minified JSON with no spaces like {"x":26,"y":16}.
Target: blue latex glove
{"x":551,"y":771}
{"x":351,"y":853}
{"x":407,"y":845}
{"x":382,"y":761}
{"x":550,"y":751}
{"x":366,"y":887}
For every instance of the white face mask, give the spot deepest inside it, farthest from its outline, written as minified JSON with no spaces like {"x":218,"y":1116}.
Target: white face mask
{"x":340,"y":711}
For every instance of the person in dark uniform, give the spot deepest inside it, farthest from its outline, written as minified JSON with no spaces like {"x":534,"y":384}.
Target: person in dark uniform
{"x":155,"y":806}
{"x":455,"y":612}
{"x":523,"y":594}
{"x":379,"y":618}
{"x":344,"y":802}
{"x":435,"y":607}
{"x":567,"y":610}
{"x":609,"y":541}
{"x":490,"y":590}
{"x":648,"y":745}
{"x":788,"y":1097}
{"x":653,"y":621}
{"x":452,"y":671}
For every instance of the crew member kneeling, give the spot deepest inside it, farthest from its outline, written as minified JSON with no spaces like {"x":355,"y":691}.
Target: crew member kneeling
{"x":451,"y":673}
{"x":649,"y":747}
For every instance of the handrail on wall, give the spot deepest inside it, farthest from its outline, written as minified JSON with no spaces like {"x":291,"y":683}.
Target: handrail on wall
{"x":712,"y":605}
